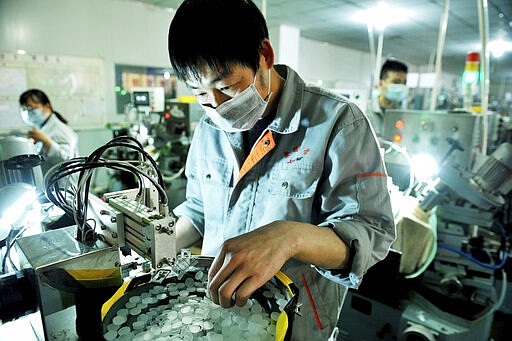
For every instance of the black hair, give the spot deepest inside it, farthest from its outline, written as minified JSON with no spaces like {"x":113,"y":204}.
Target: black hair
{"x":215,"y":33}
{"x":38,"y":96}
{"x":392,"y":64}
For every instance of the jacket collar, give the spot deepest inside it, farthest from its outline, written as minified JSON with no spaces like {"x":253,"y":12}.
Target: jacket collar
{"x":289,"y":109}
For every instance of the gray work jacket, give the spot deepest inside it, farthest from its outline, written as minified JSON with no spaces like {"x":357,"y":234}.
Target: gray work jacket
{"x":317,"y":162}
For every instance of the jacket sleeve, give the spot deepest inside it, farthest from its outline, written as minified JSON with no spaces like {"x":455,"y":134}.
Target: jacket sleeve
{"x":192,"y":207}
{"x":63,"y":145}
{"x":355,"y":200}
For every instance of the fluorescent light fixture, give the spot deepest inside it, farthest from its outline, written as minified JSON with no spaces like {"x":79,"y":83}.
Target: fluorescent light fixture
{"x":383,"y":15}
{"x":427,"y":80}
{"x":22,"y":52}
{"x":413,"y":79}
{"x":499,"y":47}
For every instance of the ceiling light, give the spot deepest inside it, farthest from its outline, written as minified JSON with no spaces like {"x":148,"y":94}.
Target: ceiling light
{"x":21,"y":52}
{"x":382,"y":16}
{"x":498,"y":47}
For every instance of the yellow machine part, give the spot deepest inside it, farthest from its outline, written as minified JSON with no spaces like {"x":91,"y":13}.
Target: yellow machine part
{"x":127,"y":286}
{"x":96,"y":278}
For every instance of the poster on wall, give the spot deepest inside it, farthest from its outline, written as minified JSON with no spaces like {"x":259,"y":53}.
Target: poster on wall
{"x":75,"y":87}
{"x":133,"y":76}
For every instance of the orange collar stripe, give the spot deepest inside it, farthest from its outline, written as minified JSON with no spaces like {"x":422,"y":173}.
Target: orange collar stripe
{"x":263,"y":146}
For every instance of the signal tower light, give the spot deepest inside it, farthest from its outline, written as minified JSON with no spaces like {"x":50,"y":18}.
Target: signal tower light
{"x":470,"y":78}
{"x":471,"y":69}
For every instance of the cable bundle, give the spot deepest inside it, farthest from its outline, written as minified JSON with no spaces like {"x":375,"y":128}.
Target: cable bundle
{"x":67,"y":183}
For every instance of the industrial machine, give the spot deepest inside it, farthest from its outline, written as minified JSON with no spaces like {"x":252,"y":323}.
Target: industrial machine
{"x":75,"y":269}
{"x":77,"y":272}
{"x":163,"y":126}
{"x":19,"y":162}
{"x":21,"y":185}
{"x":149,"y":99}
{"x":20,"y":174}
{"x":440,"y":280}
{"x":441,"y":136}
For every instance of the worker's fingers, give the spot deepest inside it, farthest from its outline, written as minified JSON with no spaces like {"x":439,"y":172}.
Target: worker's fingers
{"x":227,"y":290}
{"x":221,"y":269}
{"x":245,"y":290}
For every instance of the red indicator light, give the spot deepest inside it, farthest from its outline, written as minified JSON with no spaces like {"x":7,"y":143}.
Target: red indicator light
{"x":399,"y":124}
{"x":397,"y":138}
{"x":167,"y":115}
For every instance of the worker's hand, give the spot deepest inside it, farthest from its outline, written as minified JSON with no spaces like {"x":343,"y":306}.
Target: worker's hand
{"x":248,"y":261}
{"x":38,"y":135}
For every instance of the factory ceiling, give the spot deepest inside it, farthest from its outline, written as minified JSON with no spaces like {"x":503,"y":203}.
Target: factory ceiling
{"x":413,"y":39}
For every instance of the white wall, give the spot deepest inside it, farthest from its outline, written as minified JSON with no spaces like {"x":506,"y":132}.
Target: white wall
{"x":286,"y":42}
{"x":336,"y":66}
{"x":118,"y":32}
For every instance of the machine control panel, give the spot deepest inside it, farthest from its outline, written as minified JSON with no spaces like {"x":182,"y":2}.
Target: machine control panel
{"x":433,"y":133}
{"x":150,"y":99}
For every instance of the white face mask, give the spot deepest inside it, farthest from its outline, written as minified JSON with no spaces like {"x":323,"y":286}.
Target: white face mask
{"x":241,"y":112}
{"x":33,"y":117}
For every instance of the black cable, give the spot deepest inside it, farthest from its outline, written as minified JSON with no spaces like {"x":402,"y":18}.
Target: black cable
{"x":9,"y":245}
{"x":84,"y":166}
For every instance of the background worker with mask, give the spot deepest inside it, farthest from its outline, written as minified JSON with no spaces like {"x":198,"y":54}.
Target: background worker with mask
{"x":393,"y":77}
{"x":281,"y":175}
{"x":58,"y":142}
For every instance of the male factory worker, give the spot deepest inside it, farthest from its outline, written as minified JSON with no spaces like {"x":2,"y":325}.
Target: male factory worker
{"x":393,"y":77}
{"x":281,"y":175}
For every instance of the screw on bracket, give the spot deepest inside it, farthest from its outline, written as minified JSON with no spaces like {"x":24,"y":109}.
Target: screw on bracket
{"x":297,"y":309}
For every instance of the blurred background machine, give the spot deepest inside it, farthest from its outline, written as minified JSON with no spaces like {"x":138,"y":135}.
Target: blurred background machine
{"x":164,"y":127}
{"x":446,"y":276}
{"x":430,"y":139}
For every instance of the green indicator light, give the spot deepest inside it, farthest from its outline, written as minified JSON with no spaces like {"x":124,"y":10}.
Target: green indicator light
{"x":123,"y":92}
{"x":117,"y":88}
{"x":470,"y":77}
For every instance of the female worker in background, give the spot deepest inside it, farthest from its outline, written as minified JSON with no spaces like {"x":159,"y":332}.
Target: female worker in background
{"x":58,"y":141}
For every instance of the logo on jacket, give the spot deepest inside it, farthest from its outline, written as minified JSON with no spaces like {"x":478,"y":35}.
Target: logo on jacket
{"x":296,"y":154}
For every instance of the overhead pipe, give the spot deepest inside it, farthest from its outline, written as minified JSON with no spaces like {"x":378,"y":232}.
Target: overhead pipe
{"x":371,"y":42}
{"x":439,"y":54}
{"x":483,"y":23}
{"x":378,"y":60}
